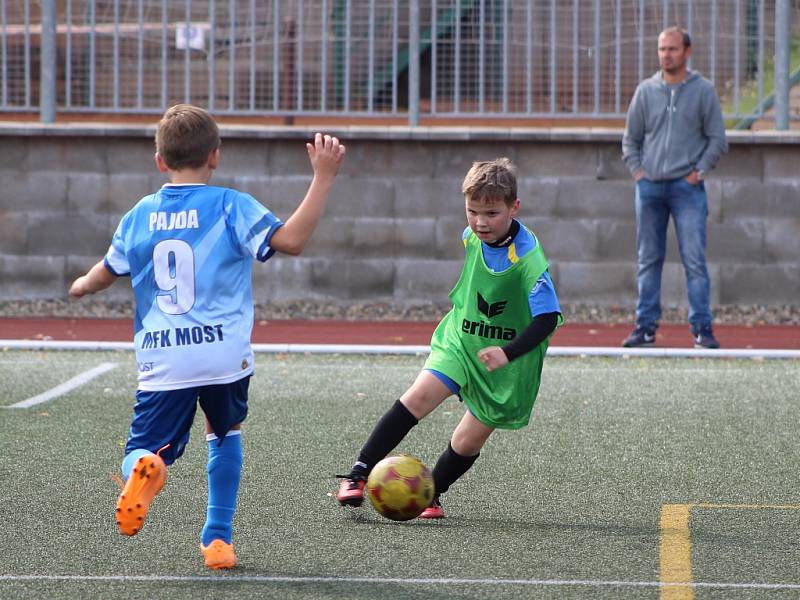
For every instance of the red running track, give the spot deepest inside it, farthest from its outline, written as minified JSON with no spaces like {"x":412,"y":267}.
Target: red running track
{"x":779,"y":337}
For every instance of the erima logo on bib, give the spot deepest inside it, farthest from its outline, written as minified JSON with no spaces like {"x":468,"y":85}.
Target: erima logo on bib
{"x":486,"y":330}
{"x":490,"y":310}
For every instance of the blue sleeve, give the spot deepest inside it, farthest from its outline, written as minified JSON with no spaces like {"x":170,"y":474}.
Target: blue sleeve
{"x":542,"y":298}
{"x":116,"y":258}
{"x":253,"y":226}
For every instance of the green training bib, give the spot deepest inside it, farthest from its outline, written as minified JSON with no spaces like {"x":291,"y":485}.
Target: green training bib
{"x":490,"y":309}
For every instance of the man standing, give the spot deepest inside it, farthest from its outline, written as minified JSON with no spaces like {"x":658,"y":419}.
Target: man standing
{"x":674,"y":135}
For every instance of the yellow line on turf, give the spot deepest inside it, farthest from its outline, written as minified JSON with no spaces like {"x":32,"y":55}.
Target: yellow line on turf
{"x":676,"y":552}
{"x":677,"y":582}
{"x":750,"y":506}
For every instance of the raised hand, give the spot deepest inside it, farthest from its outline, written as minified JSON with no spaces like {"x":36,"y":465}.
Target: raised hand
{"x":326,"y":155}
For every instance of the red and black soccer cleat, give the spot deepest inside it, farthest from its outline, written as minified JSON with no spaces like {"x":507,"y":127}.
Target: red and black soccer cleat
{"x":434,"y":511}
{"x":351,"y":492}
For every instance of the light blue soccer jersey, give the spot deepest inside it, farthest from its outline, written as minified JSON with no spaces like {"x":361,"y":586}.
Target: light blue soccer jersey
{"x":542,"y":298}
{"x":189,"y":251}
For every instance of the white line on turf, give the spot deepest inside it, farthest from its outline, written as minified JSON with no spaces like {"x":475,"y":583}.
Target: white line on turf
{"x":387,"y":349}
{"x":67,"y":386}
{"x":410,"y":581}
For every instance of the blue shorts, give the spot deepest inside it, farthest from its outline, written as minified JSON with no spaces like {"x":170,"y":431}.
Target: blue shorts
{"x":451,"y":385}
{"x":161,"y":418}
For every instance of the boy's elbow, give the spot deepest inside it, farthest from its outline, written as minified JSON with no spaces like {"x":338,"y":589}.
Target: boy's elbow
{"x":286,"y":242}
{"x":293,"y":250}
{"x":289,"y":246}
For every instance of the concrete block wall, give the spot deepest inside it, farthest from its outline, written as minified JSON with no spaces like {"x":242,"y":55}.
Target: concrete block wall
{"x":393,"y":223}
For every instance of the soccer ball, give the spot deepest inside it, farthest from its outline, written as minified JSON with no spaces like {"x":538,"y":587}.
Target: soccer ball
{"x":400,"y":487}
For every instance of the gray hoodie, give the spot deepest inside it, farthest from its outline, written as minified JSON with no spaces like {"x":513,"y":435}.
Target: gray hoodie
{"x":671,"y":132}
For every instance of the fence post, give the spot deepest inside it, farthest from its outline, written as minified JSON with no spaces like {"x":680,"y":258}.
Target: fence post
{"x":413,"y":63}
{"x":47,"y":78}
{"x":783,"y":37}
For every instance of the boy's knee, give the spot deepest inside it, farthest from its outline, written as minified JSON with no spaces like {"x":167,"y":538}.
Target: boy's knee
{"x":465,"y":444}
{"x":424,"y":395}
{"x":469,"y":436}
{"x":419,"y":404}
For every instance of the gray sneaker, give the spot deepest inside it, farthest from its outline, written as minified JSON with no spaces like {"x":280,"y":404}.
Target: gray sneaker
{"x":640,"y":337}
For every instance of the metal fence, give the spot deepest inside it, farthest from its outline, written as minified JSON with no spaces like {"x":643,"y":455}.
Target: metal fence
{"x":510,"y":59}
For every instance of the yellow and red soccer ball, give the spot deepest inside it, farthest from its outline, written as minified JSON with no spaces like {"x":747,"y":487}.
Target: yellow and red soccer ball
{"x":400,"y":487}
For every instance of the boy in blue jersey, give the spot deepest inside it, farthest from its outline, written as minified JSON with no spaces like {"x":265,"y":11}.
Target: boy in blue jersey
{"x":488,"y":350}
{"x":189,"y":250}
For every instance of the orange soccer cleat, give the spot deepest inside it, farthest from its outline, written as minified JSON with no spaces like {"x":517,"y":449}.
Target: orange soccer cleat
{"x":145,"y":482}
{"x":219,"y":555}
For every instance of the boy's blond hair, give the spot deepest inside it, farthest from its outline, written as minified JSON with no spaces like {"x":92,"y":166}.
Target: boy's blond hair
{"x":186,"y":135}
{"x":490,"y":180}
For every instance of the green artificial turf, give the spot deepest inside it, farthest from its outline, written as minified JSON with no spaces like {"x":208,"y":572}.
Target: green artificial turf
{"x":563,"y":508}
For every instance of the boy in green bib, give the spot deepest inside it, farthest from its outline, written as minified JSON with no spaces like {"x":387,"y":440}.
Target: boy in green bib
{"x":488,"y":350}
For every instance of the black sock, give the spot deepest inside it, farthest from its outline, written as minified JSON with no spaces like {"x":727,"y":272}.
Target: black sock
{"x":389,"y":431}
{"x":450,"y":467}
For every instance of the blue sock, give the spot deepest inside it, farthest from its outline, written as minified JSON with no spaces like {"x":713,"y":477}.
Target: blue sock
{"x":130,"y":460}
{"x":224,"y":475}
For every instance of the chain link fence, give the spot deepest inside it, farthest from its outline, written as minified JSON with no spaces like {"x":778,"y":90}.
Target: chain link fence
{"x":444,"y":59}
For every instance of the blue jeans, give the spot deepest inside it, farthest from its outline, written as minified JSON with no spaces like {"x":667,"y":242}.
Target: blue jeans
{"x":688,"y":205}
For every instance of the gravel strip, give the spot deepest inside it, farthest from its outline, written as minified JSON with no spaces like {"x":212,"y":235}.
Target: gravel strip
{"x":389,"y":311}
